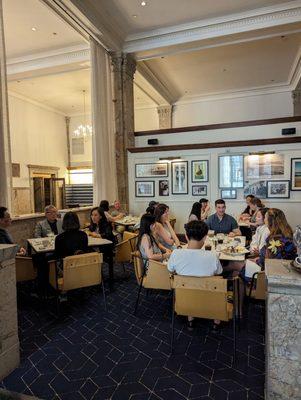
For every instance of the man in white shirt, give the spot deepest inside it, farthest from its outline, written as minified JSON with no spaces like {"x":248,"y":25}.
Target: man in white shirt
{"x":193,"y":261}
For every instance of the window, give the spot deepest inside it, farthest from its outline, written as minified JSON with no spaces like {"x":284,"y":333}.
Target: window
{"x":231,"y":171}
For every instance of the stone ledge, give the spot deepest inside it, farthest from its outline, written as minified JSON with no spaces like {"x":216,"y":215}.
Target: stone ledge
{"x":9,"y":360}
{"x":6,"y":395}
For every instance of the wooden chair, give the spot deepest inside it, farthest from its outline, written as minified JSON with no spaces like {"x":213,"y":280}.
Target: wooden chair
{"x":124,"y":249}
{"x":258,"y":287}
{"x":204,"y":297}
{"x":25,"y":270}
{"x":150,"y":274}
{"x":78,"y":271}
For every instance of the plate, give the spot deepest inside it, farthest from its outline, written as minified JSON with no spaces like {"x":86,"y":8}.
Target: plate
{"x":233,"y":254}
{"x":297,"y":267}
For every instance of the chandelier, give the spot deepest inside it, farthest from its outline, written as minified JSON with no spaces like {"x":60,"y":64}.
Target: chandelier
{"x":83,"y":130}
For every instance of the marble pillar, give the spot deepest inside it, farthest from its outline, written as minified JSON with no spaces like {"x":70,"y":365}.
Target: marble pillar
{"x":165,"y":116}
{"x":5,"y":149}
{"x":283,"y":331}
{"x":124,"y":67}
{"x":9,"y":341}
{"x":296,"y":95}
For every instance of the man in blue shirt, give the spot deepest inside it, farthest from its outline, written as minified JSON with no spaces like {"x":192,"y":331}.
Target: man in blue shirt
{"x":220,"y":222}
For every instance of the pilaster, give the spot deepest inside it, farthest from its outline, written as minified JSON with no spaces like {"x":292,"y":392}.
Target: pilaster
{"x":296,"y":95}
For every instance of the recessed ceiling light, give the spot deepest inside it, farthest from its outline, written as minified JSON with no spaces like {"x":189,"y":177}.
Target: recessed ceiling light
{"x":134,"y":16}
{"x":54,"y":33}
{"x":33,"y":29}
{"x":272,"y":80}
{"x":143,"y":3}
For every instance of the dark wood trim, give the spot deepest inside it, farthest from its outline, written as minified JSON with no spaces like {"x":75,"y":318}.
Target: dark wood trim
{"x":215,"y":145}
{"x":220,"y":126}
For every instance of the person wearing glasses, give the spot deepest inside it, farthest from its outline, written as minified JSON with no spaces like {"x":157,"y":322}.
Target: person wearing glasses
{"x":49,"y":226}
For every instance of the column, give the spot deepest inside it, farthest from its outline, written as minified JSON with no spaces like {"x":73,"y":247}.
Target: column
{"x":296,"y":95}
{"x":124,"y":67}
{"x":5,"y":150}
{"x":165,"y":116}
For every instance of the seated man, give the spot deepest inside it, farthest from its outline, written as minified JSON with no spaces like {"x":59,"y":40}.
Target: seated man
{"x":5,"y":222}
{"x":51,"y":225}
{"x":193,"y":261}
{"x":220,"y":222}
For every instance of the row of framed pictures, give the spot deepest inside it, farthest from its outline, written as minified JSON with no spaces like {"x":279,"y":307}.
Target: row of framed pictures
{"x":147,"y":189}
{"x":261,"y":189}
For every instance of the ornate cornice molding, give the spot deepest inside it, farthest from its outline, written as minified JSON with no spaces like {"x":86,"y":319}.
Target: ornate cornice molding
{"x":256,"y":19}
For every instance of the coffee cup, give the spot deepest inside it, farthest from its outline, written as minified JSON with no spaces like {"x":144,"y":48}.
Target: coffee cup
{"x":298,"y":260}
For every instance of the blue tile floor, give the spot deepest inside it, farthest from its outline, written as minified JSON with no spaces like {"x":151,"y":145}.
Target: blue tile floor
{"x":92,"y":354}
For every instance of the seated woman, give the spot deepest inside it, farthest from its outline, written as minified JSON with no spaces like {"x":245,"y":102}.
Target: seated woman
{"x":99,"y":225}
{"x":165,"y":233}
{"x":147,"y":244}
{"x":72,"y":239}
{"x":195,"y":213}
{"x":248,"y":212}
{"x":255,"y":205}
{"x":104,"y":204}
{"x":205,"y":208}
{"x":261,"y":234}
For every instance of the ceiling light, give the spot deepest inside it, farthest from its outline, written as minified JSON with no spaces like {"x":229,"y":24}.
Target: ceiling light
{"x":54,"y":33}
{"x":170,"y":159}
{"x":86,"y":129}
{"x":143,"y":3}
{"x":33,"y":29}
{"x":134,"y":16}
{"x":260,"y":153}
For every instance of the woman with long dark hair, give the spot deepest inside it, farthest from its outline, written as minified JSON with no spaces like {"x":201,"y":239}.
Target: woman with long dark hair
{"x":147,"y":244}
{"x":195,"y":213}
{"x":100,"y":226}
{"x":165,"y":233}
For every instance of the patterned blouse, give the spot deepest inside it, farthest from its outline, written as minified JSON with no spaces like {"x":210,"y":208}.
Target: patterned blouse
{"x":278,"y":247}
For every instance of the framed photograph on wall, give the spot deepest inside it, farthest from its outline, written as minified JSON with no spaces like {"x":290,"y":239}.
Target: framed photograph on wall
{"x":257,"y":189}
{"x":199,"y":190}
{"x":278,"y":189}
{"x":199,"y":171}
{"x":164,"y":188}
{"x":151,"y":170}
{"x":296,"y":174}
{"x":145,"y":188}
{"x":231,"y":171}
{"x":179,"y":177}
{"x":228,"y":194}
{"x":263,"y":166}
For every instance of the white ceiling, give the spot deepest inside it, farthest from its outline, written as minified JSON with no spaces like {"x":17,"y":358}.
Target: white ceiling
{"x":22,"y":15}
{"x":163,"y":13}
{"x":63,"y":92}
{"x":243,"y":66}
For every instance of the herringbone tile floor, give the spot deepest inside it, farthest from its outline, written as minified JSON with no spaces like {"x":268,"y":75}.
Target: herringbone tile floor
{"x":93,"y":354}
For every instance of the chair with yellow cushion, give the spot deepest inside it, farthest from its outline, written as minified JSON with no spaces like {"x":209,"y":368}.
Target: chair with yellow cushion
{"x":150,"y":274}
{"x":204,"y":297}
{"x":258,"y":287}
{"x":78,"y":271}
{"x":25,"y":270}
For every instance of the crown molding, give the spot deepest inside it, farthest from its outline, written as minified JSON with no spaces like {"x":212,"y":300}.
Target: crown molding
{"x":295,"y":73}
{"x":261,"y":18}
{"x":16,"y":95}
{"x":47,"y":60}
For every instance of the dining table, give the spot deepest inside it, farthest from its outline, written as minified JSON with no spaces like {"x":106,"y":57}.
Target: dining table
{"x":46,"y":245}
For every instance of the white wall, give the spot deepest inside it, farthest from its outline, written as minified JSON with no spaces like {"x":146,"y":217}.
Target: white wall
{"x":181,"y":204}
{"x":146,"y":119}
{"x":38,"y":137}
{"x":220,"y":110}
{"x":86,"y":158}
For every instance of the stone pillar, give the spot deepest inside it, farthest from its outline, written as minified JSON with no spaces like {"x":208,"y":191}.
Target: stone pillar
{"x":296,"y":95}
{"x":165,"y":116}
{"x":5,"y":150}
{"x":67,"y":120}
{"x":124,"y":67}
{"x":9,"y":341}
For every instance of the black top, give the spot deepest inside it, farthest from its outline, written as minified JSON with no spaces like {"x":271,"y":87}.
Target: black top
{"x":249,"y":211}
{"x":5,"y":237}
{"x":53,"y":227}
{"x":69,"y":242}
{"x":104,"y":228}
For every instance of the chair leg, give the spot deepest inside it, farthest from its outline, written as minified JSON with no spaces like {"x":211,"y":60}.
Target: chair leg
{"x":58,"y":305}
{"x":138,"y":296}
{"x":104,"y":295}
{"x":234,"y":320}
{"x":172,"y":320}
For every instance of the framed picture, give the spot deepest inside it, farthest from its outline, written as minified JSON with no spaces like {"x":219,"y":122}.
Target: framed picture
{"x":257,"y":189}
{"x":231,"y":171}
{"x":228,"y":194}
{"x":278,"y":189}
{"x":151,"y":170}
{"x":199,"y":171}
{"x":164,"y":188}
{"x":145,"y":188}
{"x":179,"y":177}
{"x":296,"y":174}
{"x":199,"y":190}
{"x":264,"y":166}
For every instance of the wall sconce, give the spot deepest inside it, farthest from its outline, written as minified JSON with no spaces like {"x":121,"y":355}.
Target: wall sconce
{"x":170,"y":159}
{"x":260,"y":153}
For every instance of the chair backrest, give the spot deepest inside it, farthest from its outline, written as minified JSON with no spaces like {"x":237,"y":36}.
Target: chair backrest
{"x":158,"y":276}
{"x":126,"y":247}
{"x":25,"y":270}
{"x":81,"y":271}
{"x":261,"y":287}
{"x":203,"y":297}
{"x":138,"y":265}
